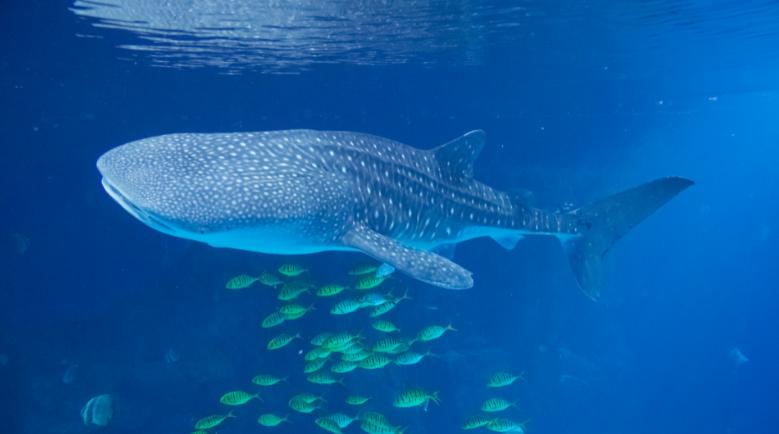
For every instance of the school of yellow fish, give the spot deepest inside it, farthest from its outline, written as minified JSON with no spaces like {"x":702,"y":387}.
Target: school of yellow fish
{"x":334,"y":354}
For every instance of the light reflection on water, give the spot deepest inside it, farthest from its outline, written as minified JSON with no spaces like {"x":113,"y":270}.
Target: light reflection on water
{"x":294,"y":35}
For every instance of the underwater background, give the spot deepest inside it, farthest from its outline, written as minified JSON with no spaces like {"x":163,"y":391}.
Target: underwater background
{"x":579,"y":99}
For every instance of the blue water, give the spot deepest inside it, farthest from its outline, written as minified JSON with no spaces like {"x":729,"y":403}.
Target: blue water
{"x":579,"y":100}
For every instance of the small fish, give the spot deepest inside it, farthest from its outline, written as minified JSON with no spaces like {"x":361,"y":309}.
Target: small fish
{"x":329,"y":290}
{"x":339,"y":341}
{"x":294,"y":311}
{"x":369,"y":282}
{"x":375,"y":361}
{"x":503,"y":379}
{"x":382,"y":309}
{"x":506,"y":425}
{"x":388,"y":306}
{"x":212,"y":421}
{"x":309,"y":398}
{"x":355,"y":357}
{"x":281,"y":341}
{"x":433,"y":332}
{"x":357,"y":399}
{"x":270,"y":279}
{"x":372,"y":299}
{"x":344,"y":307}
{"x":271,"y":420}
{"x":301,"y":405}
{"x":410,"y":358}
{"x":316,"y":353}
{"x":241,"y":281}
{"x":314,"y":365}
{"x":238,"y":397}
{"x":267,"y":380}
{"x":273,"y":320}
{"x":415,"y":398}
{"x":353,"y":348}
{"x":320,"y":338}
{"x":343,"y":367}
{"x":494,"y":405}
{"x":328,"y":424}
{"x":477,"y":421}
{"x":341,"y":419}
{"x":385,"y":326}
{"x":363,"y":269}
{"x":291,"y":270}
{"x":376,"y":423}
{"x":293,"y":290}
{"x":389,"y":344}
{"x":323,"y":377}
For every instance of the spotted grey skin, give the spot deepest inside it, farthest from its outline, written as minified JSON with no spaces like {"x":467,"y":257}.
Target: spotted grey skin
{"x":305,"y":191}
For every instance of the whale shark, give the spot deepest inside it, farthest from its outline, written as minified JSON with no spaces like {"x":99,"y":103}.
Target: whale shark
{"x":305,"y":191}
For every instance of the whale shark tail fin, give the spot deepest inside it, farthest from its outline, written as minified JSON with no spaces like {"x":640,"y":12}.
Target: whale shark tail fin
{"x":607,"y":220}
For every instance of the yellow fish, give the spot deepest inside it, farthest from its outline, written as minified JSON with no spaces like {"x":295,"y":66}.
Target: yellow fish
{"x":477,"y":421}
{"x":369,"y":282}
{"x":270,"y":419}
{"x":357,"y":399}
{"x":329,"y":290}
{"x":323,"y":377}
{"x":363,"y":269}
{"x":433,"y":332}
{"x":294,"y":311}
{"x":314,"y":365}
{"x":281,"y":341}
{"x":385,"y":326}
{"x":344,"y":307}
{"x":212,"y":421}
{"x":273,"y":320}
{"x":291,"y":270}
{"x":291,"y":291}
{"x":493,"y":405}
{"x":237,"y":397}
{"x":328,"y":424}
{"x":240,"y":282}
{"x":375,"y":361}
{"x":503,"y":379}
{"x":320,"y":338}
{"x":267,"y":380}
{"x":270,"y":279}
{"x":415,"y":398}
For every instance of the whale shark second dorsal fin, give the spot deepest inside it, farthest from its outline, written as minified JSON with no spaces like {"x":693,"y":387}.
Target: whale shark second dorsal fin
{"x":457,"y":157}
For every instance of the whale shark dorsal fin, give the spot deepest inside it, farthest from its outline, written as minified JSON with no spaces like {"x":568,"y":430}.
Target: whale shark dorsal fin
{"x":419,"y":264}
{"x":458,"y":156}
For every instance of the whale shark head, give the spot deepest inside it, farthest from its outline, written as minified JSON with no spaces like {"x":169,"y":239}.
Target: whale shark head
{"x":149,"y":178}
{"x":233,"y":190}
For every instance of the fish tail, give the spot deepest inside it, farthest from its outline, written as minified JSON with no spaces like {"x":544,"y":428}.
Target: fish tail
{"x":604,"y":222}
{"x":450,"y":327}
{"x":521,"y":377}
{"x":230,"y":413}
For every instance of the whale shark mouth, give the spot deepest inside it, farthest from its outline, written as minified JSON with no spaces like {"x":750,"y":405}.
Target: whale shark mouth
{"x":143,"y":215}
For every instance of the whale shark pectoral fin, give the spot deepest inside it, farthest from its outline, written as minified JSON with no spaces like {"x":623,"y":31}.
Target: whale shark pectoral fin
{"x":419,"y":264}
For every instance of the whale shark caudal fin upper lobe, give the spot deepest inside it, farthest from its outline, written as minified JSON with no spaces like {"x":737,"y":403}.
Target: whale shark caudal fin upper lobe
{"x":420,"y":264}
{"x":607,"y":220}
